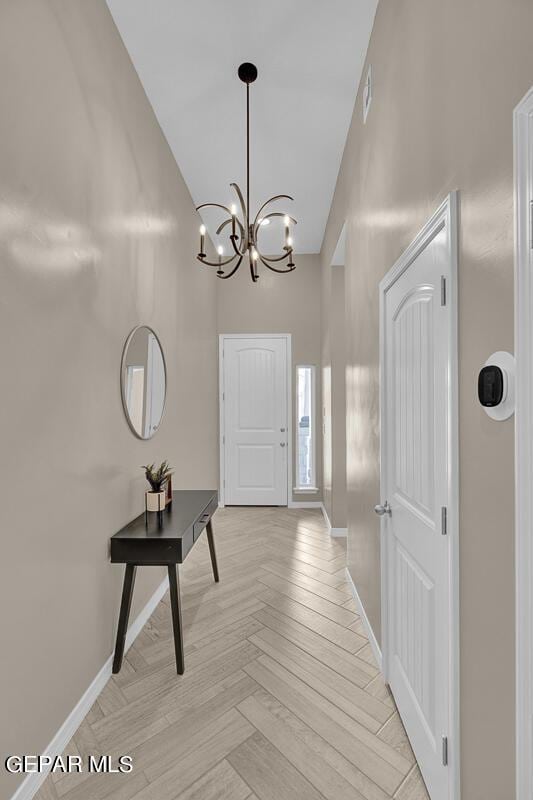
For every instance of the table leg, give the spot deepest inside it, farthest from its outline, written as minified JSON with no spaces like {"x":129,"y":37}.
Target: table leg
{"x":174,"y":582}
{"x":125,"y":605}
{"x":211,"y":541}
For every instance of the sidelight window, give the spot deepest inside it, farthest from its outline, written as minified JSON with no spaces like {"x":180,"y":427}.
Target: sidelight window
{"x":305,"y":427}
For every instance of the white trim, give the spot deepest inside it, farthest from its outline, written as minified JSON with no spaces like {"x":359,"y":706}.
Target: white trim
{"x":221,"y":425}
{"x":31,"y":784}
{"x":305,"y":504}
{"x":332,"y":531}
{"x":338,"y":532}
{"x":523,"y":304}
{"x":444,"y":216}
{"x":374,"y":644}
{"x":290,"y":464}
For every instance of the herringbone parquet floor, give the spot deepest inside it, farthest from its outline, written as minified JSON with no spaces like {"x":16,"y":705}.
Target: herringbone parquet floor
{"x":281,"y":698}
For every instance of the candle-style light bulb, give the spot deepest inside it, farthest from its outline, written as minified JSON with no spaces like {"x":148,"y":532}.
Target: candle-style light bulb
{"x":220,"y":251}
{"x":254,"y":255}
{"x":289,"y":241}
{"x":287,"y":221}
{"x":202,"y":241}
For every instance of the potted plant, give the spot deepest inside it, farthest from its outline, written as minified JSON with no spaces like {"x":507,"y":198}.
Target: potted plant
{"x":157,"y":478}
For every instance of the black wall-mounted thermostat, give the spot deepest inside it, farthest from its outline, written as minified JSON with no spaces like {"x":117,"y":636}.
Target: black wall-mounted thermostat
{"x":495,"y":385}
{"x":490,"y":386}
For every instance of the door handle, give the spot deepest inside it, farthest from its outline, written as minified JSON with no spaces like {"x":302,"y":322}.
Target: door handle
{"x":282,"y":444}
{"x":381,"y":510}
{"x":282,"y":430}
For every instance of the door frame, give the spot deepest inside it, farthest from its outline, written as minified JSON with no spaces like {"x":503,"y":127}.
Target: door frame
{"x":523,"y":305}
{"x":222,"y":337}
{"x":444,"y":217}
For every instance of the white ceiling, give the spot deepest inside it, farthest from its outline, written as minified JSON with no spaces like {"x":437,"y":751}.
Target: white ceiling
{"x":309,"y":54}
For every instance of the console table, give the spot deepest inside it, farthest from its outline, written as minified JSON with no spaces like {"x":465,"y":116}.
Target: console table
{"x":163,"y":540}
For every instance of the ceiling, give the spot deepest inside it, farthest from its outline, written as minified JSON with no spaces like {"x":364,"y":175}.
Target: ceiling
{"x":309,"y":54}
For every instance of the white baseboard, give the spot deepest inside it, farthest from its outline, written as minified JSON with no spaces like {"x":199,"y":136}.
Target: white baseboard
{"x":376,"y":649}
{"x":30,"y":785}
{"x":304,"y":504}
{"x":331,"y":530}
{"x":338,"y":532}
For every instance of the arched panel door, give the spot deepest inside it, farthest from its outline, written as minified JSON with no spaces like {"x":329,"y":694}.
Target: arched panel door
{"x":255,"y":421}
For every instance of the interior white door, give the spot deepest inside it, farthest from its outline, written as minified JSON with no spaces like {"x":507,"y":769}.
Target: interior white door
{"x":523,"y":152}
{"x":255,"y":421}
{"x":416,"y":474}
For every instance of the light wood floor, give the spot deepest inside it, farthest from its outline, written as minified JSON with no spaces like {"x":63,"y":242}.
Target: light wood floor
{"x":281,"y":697}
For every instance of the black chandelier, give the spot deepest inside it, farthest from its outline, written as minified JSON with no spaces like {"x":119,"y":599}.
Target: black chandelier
{"x":245,"y":233}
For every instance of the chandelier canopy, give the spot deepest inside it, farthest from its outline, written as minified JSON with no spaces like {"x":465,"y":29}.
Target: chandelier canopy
{"x":243,"y":239}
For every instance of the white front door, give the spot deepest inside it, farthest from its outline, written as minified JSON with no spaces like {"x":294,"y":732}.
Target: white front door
{"x":255,"y":417}
{"x":416,"y":479}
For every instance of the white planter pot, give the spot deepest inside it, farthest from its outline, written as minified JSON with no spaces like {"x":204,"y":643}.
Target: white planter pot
{"x":155,"y":501}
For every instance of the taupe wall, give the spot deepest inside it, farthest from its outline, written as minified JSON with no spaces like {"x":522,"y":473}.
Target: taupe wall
{"x":446,"y":79}
{"x":97,"y":229}
{"x":333,"y":351}
{"x":279,"y":304}
{"x":338,"y":397}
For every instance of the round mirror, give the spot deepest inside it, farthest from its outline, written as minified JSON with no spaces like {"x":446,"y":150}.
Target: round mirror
{"x":143,"y":381}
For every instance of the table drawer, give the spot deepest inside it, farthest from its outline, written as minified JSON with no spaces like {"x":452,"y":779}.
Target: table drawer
{"x":149,"y":551}
{"x":204,"y":518}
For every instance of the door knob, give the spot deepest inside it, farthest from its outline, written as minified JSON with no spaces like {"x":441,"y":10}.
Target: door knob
{"x":282,"y":444}
{"x":282,"y":430}
{"x":381,"y":510}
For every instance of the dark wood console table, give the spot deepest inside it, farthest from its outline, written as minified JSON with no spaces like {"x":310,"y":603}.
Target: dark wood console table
{"x":163,"y":540}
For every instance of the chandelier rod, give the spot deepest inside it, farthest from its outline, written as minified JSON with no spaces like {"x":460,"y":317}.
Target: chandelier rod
{"x":247,"y":160}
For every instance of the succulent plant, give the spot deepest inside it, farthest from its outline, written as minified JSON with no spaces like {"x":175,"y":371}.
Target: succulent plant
{"x":157,"y":478}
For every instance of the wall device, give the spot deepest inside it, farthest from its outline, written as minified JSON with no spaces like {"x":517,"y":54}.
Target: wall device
{"x":496,"y":385}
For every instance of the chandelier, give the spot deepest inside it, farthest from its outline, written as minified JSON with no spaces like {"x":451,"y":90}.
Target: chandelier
{"x":244,"y":236}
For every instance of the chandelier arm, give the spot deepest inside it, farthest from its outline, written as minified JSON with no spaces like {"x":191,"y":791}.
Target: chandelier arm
{"x":218,"y":263}
{"x":275,"y":269}
{"x":214,"y":205}
{"x":244,"y":212}
{"x":233,"y":271}
{"x":221,"y":227}
{"x":276,"y":197}
{"x":277,"y":258}
{"x":267,"y":216}
{"x":237,"y":250}
{"x":279,"y":214}
{"x":228,"y":222}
